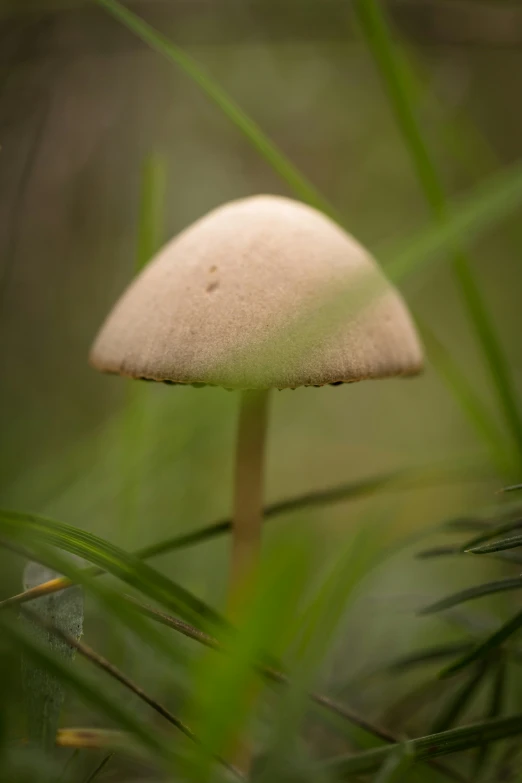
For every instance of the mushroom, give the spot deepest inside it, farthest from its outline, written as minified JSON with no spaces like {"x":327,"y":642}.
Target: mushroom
{"x":218,"y":305}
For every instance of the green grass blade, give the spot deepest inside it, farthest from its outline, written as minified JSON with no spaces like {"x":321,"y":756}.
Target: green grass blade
{"x":329,"y":496}
{"x":96,"y":696}
{"x":30,"y":529}
{"x":458,"y":383}
{"x":497,"y":546}
{"x":493,"y":641}
{"x":152,"y":204}
{"x":459,"y":702}
{"x":488,"y":588}
{"x":399,"y":85}
{"x":428,"y":655}
{"x":429,"y":747}
{"x":494,"y":531}
{"x":248,"y":127}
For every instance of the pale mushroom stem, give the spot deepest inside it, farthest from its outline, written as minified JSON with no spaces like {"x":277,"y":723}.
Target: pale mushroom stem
{"x":248,"y":490}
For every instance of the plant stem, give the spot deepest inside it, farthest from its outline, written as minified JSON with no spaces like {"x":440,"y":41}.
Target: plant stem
{"x":248,"y":489}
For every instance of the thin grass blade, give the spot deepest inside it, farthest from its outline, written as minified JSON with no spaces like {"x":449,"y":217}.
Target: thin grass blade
{"x":399,"y":84}
{"x":489,"y":588}
{"x":497,"y":546}
{"x":495,"y":640}
{"x":428,"y":747}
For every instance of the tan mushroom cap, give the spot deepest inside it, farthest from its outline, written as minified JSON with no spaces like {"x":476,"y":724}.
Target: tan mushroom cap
{"x":232,"y":301}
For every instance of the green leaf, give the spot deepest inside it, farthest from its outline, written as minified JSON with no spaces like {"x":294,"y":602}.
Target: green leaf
{"x":428,"y":747}
{"x":491,"y":643}
{"x":489,"y":588}
{"x":45,"y":693}
{"x":497,"y":546}
{"x":395,"y":765}
{"x":30,"y":530}
{"x":152,"y":204}
{"x":399,"y":84}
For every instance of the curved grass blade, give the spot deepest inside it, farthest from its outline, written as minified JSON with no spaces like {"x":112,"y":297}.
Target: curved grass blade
{"x":494,"y":531}
{"x":30,"y":529}
{"x":497,"y":546}
{"x":489,"y":588}
{"x":453,"y":551}
{"x":44,"y":693}
{"x":248,"y":127}
{"x":494,"y":641}
{"x":429,"y":747}
{"x":398,"y":82}
{"x":86,"y":689}
{"x":459,"y":702}
{"x":512,"y":488}
{"x":428,"y":655}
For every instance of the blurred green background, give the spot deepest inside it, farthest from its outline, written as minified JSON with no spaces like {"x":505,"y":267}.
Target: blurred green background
{"x":83,"y":104}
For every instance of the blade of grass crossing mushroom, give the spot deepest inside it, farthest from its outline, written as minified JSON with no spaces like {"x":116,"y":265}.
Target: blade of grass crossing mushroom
{"x":271,"y":153}
{"x":226,"y":687}
{"x":311,"y":635}
{"x":96,"y":696}
{"x":394,"y":71}
{"x":493,"y":641}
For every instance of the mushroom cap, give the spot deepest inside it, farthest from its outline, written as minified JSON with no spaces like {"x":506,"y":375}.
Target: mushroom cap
{"x":256,"y":295}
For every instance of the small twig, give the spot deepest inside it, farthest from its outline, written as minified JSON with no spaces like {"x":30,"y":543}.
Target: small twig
{"x":105,"y":665}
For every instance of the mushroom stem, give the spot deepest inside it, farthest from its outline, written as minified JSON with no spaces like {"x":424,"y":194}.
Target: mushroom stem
{"x":248,"y":489}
